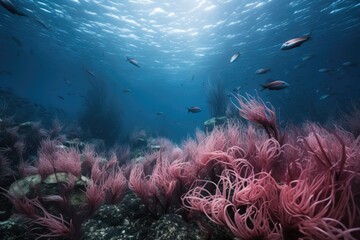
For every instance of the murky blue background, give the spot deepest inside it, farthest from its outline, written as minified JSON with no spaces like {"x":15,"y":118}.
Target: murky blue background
{"x":63,"y":48}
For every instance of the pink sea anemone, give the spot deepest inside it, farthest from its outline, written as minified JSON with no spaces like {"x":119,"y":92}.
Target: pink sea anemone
{"x":256,"y":111}
{"x":55,"y":225}
{"x":311,"y":196}
{"x":54,"y":159}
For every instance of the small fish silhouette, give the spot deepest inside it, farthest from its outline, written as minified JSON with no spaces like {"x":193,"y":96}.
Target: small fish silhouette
{"x":133,"y":61}
{"x":8,"y":5}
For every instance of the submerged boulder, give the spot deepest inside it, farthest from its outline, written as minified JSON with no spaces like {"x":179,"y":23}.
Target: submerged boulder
{"x":211,"y":123}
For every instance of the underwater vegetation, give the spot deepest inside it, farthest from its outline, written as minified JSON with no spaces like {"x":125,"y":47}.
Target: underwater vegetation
{"x":351,"y":120}
{"x":101,"y":116}
{"x":51,"y":201}
{"x":18,"y":142}
{"x":145,"y":69}
{"x":256,"y":180}
{"x":216,"y":98}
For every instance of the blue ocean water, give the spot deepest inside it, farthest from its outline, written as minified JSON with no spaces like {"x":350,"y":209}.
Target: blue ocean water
{"x":60,"y":50}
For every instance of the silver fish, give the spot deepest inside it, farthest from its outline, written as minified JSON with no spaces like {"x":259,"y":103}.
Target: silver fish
{"x":324,"y":70}
{"x":275,"y":85}
{"x":349,"y":64}
{"x":322,"y":97}
{"x":295,"y":42}
{"x":263,"y":70}
{"x":307,"y":57}
{"x":133,"y":61}
{"x":160,"y":113}
{"x":234,"y":57}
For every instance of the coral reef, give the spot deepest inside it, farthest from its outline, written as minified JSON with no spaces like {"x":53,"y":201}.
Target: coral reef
{"x":248,"y":181}
{"x":58,"y":199}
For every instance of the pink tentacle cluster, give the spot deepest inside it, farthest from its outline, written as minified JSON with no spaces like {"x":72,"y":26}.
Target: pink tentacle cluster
{"x":161,"y":186}
{"x":268,"y":152}
{"x":256,"y":111}
{"x":315,"y":201}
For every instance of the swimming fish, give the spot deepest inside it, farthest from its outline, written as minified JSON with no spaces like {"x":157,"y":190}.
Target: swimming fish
{"x":295,"y":42}
{"x":263,"y":70}
{"x":298,"y":66}
{"x":194,"y":109}
{"x":90,"y":72}
{"x":275,"y":85}
{"x":349,"y":64}
{"x":8,"y":5}
{"x":322,"y":97}
{"x":42,"y":23}
{"x":324,"y":70}
{"x":133,"y":61}
{"x":126,"y":90}
{"x":307,"y":57}
{"x":234,"y":57}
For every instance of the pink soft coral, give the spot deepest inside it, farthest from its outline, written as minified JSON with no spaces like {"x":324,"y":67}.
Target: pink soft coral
{"x":314,"y":200}
{"x":256,"y":111}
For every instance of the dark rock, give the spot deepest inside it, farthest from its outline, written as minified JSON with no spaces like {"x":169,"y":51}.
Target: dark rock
{"x":172,"y":226}
{"x":13,"y":230}
{"x":131,"y":220}
{"x":211,"y":123}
